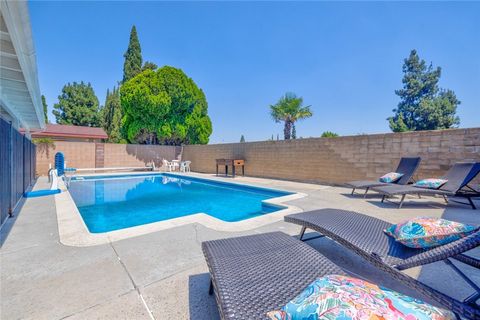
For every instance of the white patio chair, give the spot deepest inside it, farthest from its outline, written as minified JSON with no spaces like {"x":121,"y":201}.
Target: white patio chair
{"x":176,"y":164}
{"x":185,"y":166}
{"x":168,"y":165}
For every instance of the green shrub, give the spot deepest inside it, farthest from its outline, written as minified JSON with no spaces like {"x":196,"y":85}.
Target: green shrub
{"x":329,"y":134}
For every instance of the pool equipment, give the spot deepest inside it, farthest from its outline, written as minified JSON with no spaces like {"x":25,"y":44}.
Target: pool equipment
{"x":60,"y":163}
{"x":53,"y":187}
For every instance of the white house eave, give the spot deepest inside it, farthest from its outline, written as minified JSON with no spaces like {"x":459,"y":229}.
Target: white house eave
{"x":20,"y":91}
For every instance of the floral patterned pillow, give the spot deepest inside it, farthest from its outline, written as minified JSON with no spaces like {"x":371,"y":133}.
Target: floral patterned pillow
{"x":390,"y":177}
{"x":336,"y":297}
{"x":427,"y":232}
{"x":430,"y":183}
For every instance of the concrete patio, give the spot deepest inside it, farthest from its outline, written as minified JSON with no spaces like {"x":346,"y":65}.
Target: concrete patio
{"x":163,"y":275}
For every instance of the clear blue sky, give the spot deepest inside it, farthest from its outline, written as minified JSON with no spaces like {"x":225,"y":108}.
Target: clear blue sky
{"x":344,"y":59}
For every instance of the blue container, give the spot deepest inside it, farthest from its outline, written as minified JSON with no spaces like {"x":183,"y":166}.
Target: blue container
{"x":60,"y":163}
{"x":40,"y":193}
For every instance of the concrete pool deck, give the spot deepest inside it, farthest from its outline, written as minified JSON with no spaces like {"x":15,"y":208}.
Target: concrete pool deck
{"x":163,"y":275}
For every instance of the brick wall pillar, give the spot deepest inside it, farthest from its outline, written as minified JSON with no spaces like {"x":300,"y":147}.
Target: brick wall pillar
{"x":99,"y":155}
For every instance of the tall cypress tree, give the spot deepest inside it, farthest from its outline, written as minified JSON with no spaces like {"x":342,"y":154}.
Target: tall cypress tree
{"x":133,"y":57}
{"x":112,"y":116}
{"x":45,"y":109}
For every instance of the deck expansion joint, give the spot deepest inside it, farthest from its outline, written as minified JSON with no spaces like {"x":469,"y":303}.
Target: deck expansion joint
{"x":135,"y":286}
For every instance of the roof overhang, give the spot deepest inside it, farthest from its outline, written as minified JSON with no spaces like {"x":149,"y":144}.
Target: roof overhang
{"x":41,"y":134}
{"x":20,"y":94}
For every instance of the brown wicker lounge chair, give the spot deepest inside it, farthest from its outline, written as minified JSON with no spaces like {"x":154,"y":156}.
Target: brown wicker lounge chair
{"x":407,"y":166}
{"x":364,"y":235}
{"x":459,"y":176}
{"x":253,"y":275}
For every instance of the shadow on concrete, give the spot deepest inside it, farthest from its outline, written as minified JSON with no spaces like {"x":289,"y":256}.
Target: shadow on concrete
{"x":10,"y":221}
{"x":393,"y":203}
{"x":462,"y":203}
{"x":462,"y":213}
{"x":202,"y":306}
{"x":425,"y":202}
{"x":358,"y":195}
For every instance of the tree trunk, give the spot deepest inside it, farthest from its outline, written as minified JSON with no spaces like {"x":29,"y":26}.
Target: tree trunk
{"x":151,"y":138}
{"x":287,"y":129}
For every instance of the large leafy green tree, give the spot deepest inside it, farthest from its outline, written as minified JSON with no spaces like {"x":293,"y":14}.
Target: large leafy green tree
{"x":45,"y":109}
{"x":77,"y":105}
{"x":164,"y":107}
{"x":289,"y":109}
{"x":423,"y":105}
{"x":112,"y":116}
{"x":133,"y":57}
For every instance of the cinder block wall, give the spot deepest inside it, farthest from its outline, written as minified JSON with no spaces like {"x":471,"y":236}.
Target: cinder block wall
{"x":336,"y":160}
{"x":134,"y":155}
{"x":92,"y":155}
{"x":328,"y":160}
{"x":77,"y":155}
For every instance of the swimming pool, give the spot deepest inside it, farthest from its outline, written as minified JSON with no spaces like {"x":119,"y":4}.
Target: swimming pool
{"x":108,"y":203}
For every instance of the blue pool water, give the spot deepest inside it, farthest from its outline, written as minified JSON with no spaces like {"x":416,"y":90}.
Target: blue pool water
{"x":115,"y":202}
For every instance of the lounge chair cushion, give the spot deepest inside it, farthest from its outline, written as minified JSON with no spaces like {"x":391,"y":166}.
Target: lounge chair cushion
{"x":425,"y":232}
{"x":342,"y":297}
{"x":430,"y":183}
{"x":390,"y":177}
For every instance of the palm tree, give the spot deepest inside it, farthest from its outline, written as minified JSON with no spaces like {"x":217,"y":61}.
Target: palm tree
{"x":289,"y":109}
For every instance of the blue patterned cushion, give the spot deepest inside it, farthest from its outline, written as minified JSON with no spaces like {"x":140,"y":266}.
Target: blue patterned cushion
{"x":430,"y":183}
{"x":336,"y":297}
{"x":424,"y":232}
{"x":390,"y":177}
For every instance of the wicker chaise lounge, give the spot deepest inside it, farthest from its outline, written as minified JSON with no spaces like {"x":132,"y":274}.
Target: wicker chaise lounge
{"x":364,"y":235}
{"x":459,"y":176}
{"x":406,"y":166}
{"x":253,"y":275}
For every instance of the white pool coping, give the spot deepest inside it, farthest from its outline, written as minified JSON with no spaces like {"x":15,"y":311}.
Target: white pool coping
{"x":73,"y":231}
